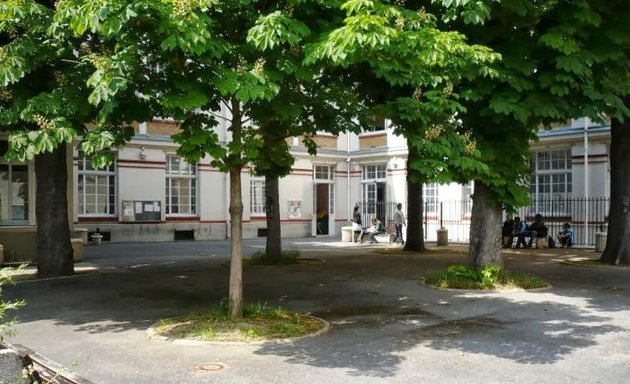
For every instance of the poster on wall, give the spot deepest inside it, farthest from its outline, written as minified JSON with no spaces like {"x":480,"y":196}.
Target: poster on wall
{"x":295,"y":209}
{"x":134,"y":211}
{"x":128,"y":212}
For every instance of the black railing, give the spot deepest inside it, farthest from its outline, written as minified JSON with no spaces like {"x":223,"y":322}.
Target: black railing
{"x":587,"y":216}
{"x":382,"y":210}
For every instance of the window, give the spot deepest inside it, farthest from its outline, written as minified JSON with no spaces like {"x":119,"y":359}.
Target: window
{"x":14,"y":193}
{"x":552,"y":183}
{"x":378,"y":125}
{"x":374,"y":186}
{"x":323,"y":172}
{"x":96,"y":189}
{"x":181,"y":187}
{"x":430,"y":197}
{"x":552,"y":175}
{"x":374,"y":172}
{"x":257,"y":197}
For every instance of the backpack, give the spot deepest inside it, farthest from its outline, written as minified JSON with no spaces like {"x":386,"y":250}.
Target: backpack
{"x":551,"y":243}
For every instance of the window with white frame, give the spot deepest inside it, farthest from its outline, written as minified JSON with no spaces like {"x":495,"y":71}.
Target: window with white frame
{"x":14,"y":193}
{"x":374,"y":184}
{"x":430,"y":198}
{"x":96,"y":189}
{"x":323,"y":172}
{"x":375,"y":172}
{"x":551,"y":186}
{"x":257,"y":196}
{"x":552,"y":175}
{"x":181,"y":186}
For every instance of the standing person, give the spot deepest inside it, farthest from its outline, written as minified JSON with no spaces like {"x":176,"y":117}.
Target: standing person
{"x":399,"y":220}
{"x":565,"y":236}
{"x":507,"y":231}
{"x":356,"y":223}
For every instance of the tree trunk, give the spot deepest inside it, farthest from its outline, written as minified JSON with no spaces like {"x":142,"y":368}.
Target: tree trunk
{"x":618,"y":239}
{"x":415,"y":229}
{"x":273,"y":251}
{"x":54,"y":249}
{"x":236,"y":217}
{"x":485,"y":228}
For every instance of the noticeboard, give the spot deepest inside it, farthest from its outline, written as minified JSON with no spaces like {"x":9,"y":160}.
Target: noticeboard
{"x":141,"y":210}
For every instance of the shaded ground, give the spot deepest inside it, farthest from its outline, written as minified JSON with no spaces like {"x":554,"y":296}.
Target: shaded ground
{"x":386,"y":328}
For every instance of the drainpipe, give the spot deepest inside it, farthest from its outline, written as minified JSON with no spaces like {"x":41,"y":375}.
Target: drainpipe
{"x":586,"y":181}
{"x":348,"y":173}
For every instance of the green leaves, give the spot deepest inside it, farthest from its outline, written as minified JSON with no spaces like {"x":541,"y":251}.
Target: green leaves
{"x":12,"y":67}
{"x":276,"y":29}
{"x":246,"y":86}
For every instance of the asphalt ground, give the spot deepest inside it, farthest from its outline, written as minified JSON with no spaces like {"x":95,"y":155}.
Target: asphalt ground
{"x":385,"y":326}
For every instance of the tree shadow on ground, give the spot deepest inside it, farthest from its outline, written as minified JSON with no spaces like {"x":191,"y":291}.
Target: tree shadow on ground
{"x":373,"y":328}
{"x":526,"y":333}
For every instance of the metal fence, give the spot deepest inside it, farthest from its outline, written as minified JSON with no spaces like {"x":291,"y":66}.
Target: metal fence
{"x":587,"y":216}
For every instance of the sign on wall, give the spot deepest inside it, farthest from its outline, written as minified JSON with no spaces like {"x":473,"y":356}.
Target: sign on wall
{"x":141,"y":210}
{"x":295,"y":209}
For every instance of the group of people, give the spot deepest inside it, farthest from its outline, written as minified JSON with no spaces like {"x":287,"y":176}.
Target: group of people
{"x":525,"y":234}
{"x":376,"y":227}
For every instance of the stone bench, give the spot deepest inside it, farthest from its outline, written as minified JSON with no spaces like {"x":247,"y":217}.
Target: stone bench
{"x":346,"y":234}
{"x":384,"y":238}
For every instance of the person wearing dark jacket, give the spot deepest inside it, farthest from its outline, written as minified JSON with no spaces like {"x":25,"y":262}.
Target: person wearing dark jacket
{"x":356,"y":223}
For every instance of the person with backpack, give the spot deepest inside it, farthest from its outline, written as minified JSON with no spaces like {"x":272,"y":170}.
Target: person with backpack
{"x":521,"y":231}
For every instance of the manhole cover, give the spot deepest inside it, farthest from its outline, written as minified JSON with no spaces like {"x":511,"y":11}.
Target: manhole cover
{"x":211,"y":367}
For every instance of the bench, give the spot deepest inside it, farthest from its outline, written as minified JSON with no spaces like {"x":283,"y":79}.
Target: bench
{"x":346,"y":234}
{"x":384,"y":238}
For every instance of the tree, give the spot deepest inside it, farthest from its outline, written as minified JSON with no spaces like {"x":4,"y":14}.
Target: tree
{"x":617,"y":249}
{"x":609,"y":85}
{"x":198,"y":61}
{"x":412,"y":67}
{"x":310,"y":99}
{"x":43,"y":106}
{"x":554,"y":55}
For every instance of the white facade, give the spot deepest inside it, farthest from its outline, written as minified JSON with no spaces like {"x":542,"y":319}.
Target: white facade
{"x":150,"y":194}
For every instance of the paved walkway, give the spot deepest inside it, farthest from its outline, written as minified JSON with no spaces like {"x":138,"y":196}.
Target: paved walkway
{"x":386,"y":328}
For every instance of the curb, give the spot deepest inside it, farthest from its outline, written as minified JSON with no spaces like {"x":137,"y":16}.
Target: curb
{"x":152,"y":334}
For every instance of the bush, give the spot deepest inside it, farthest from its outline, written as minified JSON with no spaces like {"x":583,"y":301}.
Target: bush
{"x":6,"y":277}
{"x":490,"y":276}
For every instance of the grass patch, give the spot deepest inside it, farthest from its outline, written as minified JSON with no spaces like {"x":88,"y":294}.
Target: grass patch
{"x":490,"y":277}
{"x":260,"y":258}
{"x":259,"y":322}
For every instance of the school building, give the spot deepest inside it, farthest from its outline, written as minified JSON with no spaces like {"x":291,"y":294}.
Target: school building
{"x":151,"y":194}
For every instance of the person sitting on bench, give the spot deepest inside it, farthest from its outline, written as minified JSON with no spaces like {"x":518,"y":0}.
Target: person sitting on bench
{"x":521,"y":231}
{"x":375,"y":229}
{"x":539,"y":227}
